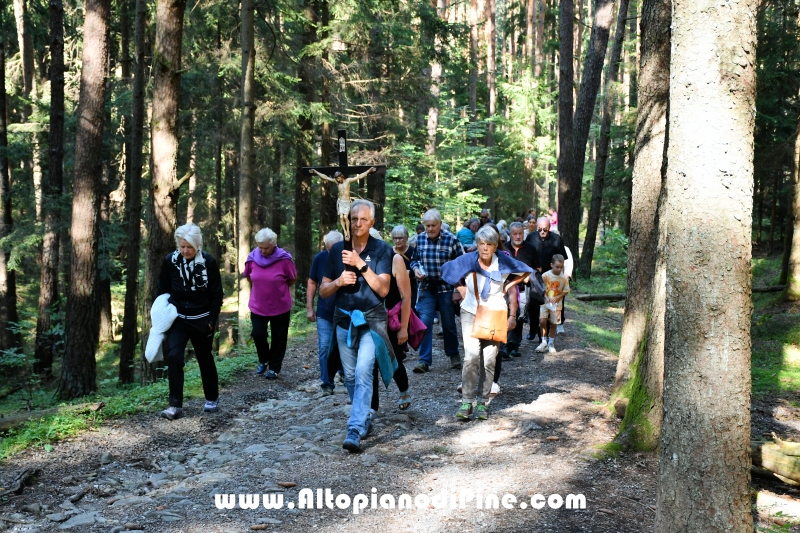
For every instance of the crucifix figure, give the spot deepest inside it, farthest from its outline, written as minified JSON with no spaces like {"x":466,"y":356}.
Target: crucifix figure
{"x":340,"y":177}
{"x":343,"y":201}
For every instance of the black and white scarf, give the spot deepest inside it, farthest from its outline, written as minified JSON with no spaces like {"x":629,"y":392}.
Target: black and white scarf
{"x":193,"y":273}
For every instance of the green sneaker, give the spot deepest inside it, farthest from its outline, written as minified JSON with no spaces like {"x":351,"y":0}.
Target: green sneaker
{"x":465,"y":411}
{"x":480,"y":412}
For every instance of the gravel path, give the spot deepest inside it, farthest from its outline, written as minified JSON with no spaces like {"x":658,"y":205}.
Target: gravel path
{"x":145,"y":473}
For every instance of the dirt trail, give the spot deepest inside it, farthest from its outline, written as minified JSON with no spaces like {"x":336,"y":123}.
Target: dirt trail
{"x":162,"y":476}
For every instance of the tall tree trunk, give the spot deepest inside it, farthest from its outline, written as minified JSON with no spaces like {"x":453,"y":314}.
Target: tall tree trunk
{"x":134,"y":200}
{"x":436,"y":74}
{"x":328,"y":192}
{"x":302,"y":191}
{"x":530,"y":33}
{"x":651,"y":130}
{"x":376,"y":189}
{"x":78,"y":365}
{"x":191,"y":200}
{"x":216,"y":209}
{"x":105,"y":324}
{"x":247,"y":160}
{"x":773,"y":215}
{"x":605,"y":139}
{"x":162,"y":216}
{"x":569,"y":189}
{"x":490,"y":35}
{"x":473,"y":61}
{"x":277,"y":167}
{"x":48,"y":281}
{"x":25,"y":40}
{"x":792,"y":293}
{"x":704,"y":459}
{"x":8,"y":286}
{"x":569,"y":197}
{"x":539,"y":54}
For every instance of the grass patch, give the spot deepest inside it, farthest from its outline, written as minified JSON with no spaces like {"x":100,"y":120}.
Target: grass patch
{"x":607,"y":450}
{"x":602,"y":338}
{"x":125,"y":401}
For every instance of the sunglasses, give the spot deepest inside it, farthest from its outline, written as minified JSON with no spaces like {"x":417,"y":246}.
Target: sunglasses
{"x":543,"y":230}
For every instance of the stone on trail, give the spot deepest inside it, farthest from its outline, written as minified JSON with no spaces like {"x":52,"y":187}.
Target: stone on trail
{"x":106,"y":458}
{"x":256,"y":448}
{"x":56,"y":517}
{"x":33,"y":508}
{"x":177,"y":457}
{"x":84,"y":519}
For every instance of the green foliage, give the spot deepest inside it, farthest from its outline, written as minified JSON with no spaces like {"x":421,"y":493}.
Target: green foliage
{"x":612,"y":256}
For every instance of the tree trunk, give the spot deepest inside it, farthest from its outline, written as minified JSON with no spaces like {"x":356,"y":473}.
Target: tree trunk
{"x":376,"y":191}
{"x":105,"y":317}
{"x":651,"y":129}
{"x":216,"y":210}
{"x":191,"y":201}
{"x":473,"y":60}
{"x":530,"y":33}
{"x":162,"y":216}
{"x":277,"y":166}
{"x":48,"y":281}
{"x":602,"y":146}
{"x":8,"y":286}
{"x":569,"y":192}
{"x":539,"y":54}
{"x":247,"y":161}
{"x":704,"y":459}
{"x":134,"y":200}
{"x":773,"y":215}
{"x":302,"y":192}
{"x":78,"y":365}
{"x":328,"y":192}
{"x":490,"y":35}
{"x":569,"y":197}
{"x":792,"y":293}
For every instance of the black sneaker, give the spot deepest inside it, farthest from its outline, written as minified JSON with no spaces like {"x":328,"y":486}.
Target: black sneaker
{"x":271,"y":374}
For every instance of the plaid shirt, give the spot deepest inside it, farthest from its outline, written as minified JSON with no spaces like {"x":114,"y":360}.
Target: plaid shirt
{"x":430,"y":255}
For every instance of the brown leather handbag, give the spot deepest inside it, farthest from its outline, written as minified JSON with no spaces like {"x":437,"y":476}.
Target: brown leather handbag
{"x":489,"y":324}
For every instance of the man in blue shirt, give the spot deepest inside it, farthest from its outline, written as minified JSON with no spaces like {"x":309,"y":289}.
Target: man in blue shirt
{"x":434,"y":248}
{"x":325,"y":306}
{"x":360,"y":319}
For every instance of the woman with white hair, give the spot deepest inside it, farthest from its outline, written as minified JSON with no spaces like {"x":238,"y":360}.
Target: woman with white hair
{"x":191,"y":277}
{"x":483,"y":278}
{"x":272,"y":273}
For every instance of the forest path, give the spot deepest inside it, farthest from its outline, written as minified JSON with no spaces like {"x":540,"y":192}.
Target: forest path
{"x":162,"y":476}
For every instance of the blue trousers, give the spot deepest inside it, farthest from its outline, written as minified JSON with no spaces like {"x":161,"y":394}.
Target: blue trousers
{"x":324,"y":333}
{"x":357,"y":366}
{"x":428,"y":303}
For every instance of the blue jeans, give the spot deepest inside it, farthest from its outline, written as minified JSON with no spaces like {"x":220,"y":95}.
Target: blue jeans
{"x":357,"y":367}
{"x":429,"y":301}
{"x":324,"y":332}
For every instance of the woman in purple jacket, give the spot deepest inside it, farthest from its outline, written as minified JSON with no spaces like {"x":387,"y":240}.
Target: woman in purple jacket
{"x":272,"y":273}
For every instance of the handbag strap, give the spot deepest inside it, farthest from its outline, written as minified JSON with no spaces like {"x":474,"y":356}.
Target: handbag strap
{"x":475,"y":286}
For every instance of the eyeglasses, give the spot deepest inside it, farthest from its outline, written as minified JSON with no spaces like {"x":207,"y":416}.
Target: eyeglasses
{"x":543,"y":230}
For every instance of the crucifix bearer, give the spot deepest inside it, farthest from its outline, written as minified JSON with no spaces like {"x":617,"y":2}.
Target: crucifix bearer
{"x":343,"y":202}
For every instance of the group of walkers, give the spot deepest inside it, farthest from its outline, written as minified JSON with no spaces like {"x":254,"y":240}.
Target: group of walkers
{"x":376,"y":302}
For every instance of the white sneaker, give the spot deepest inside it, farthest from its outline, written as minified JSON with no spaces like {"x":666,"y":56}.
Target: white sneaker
{"x":495,"y":389}
{"x":459,"y":387}
{"x":551,"y":348}
{"x":560,"y":329}
{"x":542,"y":347}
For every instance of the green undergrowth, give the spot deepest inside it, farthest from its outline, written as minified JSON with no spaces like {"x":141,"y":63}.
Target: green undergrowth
{"x":125,"y":401}
{"x":775,"y":335}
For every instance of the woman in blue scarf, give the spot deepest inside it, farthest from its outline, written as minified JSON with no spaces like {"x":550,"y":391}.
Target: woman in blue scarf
{"x":495,"y":274}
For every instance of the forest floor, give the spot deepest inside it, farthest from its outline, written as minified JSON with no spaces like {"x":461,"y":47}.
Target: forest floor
{"x":146,"y":473}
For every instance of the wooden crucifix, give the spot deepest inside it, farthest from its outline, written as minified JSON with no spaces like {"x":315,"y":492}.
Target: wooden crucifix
{"x":343,"y":176}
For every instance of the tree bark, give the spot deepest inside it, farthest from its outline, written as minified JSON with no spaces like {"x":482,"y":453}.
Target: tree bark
{"x":376,"y":189}
{"x":793,"y":271}
{"x":328,"y":192}
{"x":8,"y":286}
{"x":191,"y":201}
{"x":651,"y":129}
{"x":490,"y":35}
{"x":704,"y":459}
{"x":78,"y":365}
{"x":247,"y":160}
{"x":162,"y":216}
{"x":133,"y":195}
{"x":603,"y":143}
{"x":473,"y":60}
{"x":569,"y":192}
{"x":277,"y":166}
{"x":302,"y":192}
{"x":569,"y":196}
{"x":48,"y":280}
